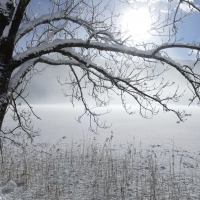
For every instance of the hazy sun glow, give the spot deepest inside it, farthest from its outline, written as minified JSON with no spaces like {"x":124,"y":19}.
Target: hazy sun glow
{"x":137,"y":23}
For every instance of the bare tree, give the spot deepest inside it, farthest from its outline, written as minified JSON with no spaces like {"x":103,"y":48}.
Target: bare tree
{"x":80,"y":32}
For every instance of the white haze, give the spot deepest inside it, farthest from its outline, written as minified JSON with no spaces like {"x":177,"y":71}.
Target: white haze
{"x":58,"y":121}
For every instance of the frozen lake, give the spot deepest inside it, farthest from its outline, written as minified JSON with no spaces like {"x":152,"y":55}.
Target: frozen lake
{"x":162,"y":129}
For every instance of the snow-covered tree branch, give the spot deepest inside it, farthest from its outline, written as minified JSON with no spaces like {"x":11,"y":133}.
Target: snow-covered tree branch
{"x":80,"y":33}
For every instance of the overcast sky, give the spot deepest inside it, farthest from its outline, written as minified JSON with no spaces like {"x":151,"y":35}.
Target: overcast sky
{"x":46,"y":89}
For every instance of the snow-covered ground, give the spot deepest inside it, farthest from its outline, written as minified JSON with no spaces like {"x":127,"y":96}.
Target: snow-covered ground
{"x":87,"y":170}
{"x":164,"y":165}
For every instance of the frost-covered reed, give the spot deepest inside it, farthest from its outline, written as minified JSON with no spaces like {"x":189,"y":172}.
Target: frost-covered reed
{"x":88,"y":170}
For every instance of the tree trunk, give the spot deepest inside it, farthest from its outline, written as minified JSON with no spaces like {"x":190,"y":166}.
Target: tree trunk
{"x":6,"y":48}
{"x":4,"y":81}
{"x":6,"y":51}
{"x":5,"y":76}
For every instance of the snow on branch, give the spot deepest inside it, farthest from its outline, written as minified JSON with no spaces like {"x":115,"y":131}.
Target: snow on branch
{"x":4,"y":5}
{"x":44,"y":19}
{"x":176,"y":45}
{"x":6,"y":9}
{"x":19,"y":74}
{"x":61,"y":43}
{"x":24,"y":68}
{"x":50,"y":61}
